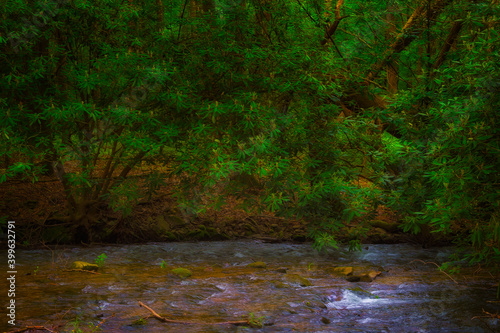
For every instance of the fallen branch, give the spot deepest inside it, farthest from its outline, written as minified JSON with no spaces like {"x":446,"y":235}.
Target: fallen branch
{"x":39,"y":328}
{"x":430,"y":262}
{"x":488,"y":315}
{"x":80,"y":270}
{"x":166,"y":320}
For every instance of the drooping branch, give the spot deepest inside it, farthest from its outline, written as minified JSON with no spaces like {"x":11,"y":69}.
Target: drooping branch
{"x":411,"y":30}
{"x":132,"y":163}
{"x":123,"y":174}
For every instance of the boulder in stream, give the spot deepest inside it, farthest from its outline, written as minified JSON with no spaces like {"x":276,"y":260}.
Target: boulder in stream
{"x":279,"y":284}
{"x":84,"y":266}
{"x":297,"y":279}
{"x":257,"y":264}
{"x":341,"y":270}
{"x":367,"y":277}
{"x":183,"y":273}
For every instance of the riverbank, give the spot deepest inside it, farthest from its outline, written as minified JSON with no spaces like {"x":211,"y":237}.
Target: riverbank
{"x":38,"y":210}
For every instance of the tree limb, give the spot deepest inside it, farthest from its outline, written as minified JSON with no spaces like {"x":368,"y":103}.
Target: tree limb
{"x":411,"y":30}
{"x":333,"y":27}
{"x":452,"y":36}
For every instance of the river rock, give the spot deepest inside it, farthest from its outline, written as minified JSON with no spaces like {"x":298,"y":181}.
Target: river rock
{"x":84,"y":266}
{"x":257,"y":264}
{"x":374,"y":274}
{"x":280,"y":284}
{"x":183,"y":273}
{"x":341,"y":270}
{"x":297,"y":279}
{"x":363,"y":294}
{"x":367,"y":277}
{"x":386,"y":226}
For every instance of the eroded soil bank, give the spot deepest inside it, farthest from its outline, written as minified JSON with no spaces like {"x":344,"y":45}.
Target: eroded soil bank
{"x":293,"y":288}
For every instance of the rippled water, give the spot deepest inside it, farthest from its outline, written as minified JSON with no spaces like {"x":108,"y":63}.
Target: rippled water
{"x":410,"y":295}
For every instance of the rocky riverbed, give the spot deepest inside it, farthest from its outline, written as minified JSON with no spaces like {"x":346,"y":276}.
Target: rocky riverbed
{"x":282,"y":287}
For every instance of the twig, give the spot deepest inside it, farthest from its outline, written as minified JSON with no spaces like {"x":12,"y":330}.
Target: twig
{"x":166,"y":320}
{"x":24,"y":329}
{"x":430,"y":262}
{"x":102,"y":322}
{"x":488,"y":315}
{"x":80,"y":270}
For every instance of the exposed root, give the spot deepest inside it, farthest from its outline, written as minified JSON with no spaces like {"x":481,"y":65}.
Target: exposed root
{"x":430,"y":262}
{"x":166,"y":320}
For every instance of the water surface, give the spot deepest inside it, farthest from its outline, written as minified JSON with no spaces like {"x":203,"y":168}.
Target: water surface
{"x":410,"y":294}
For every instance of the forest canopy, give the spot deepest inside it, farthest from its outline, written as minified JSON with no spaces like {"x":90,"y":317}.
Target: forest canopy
{"x":304,"y":97}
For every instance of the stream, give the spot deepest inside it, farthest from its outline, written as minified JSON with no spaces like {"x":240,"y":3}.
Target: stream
{"x":298,"y":290}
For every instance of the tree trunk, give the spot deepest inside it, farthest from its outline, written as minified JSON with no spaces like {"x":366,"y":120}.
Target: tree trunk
{"x":411,"y":30}
{"x":392,"y":66}
{"x":450,"y":40}
{"x":333,"y":27}
{"x":262,"y":17}
{"x":160,"y":10}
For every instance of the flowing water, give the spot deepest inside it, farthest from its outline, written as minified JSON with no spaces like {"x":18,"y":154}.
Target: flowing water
{"x":410,"y":294}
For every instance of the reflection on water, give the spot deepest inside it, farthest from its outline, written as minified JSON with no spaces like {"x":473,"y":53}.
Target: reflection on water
{"x":409,"y":295}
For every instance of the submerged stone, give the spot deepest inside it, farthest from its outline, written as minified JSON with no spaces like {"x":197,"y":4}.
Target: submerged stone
{"x":280,"y":284}
{"x":183,"y":273}
{"x":364,"y":294}
{"x":297,"y":279}
{"x":367,"y":277}
{"x":84,"y":266}
{"x":257,"y":264}
{"x":345,"y":271}
{"x":354,"y":278}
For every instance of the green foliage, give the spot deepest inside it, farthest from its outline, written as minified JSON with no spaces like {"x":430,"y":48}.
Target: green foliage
{"x":254,"y":321}
{"x":139,"y":322}
{"x":449,"y":267}
{"x":448,"y":153}
{"x":76,"y":326}
{"x":183,"y":273}
{"x":354,"y":245}
{"x":123,"y":196}
{"x":101,"y":259}
{"x":225,"y":89}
